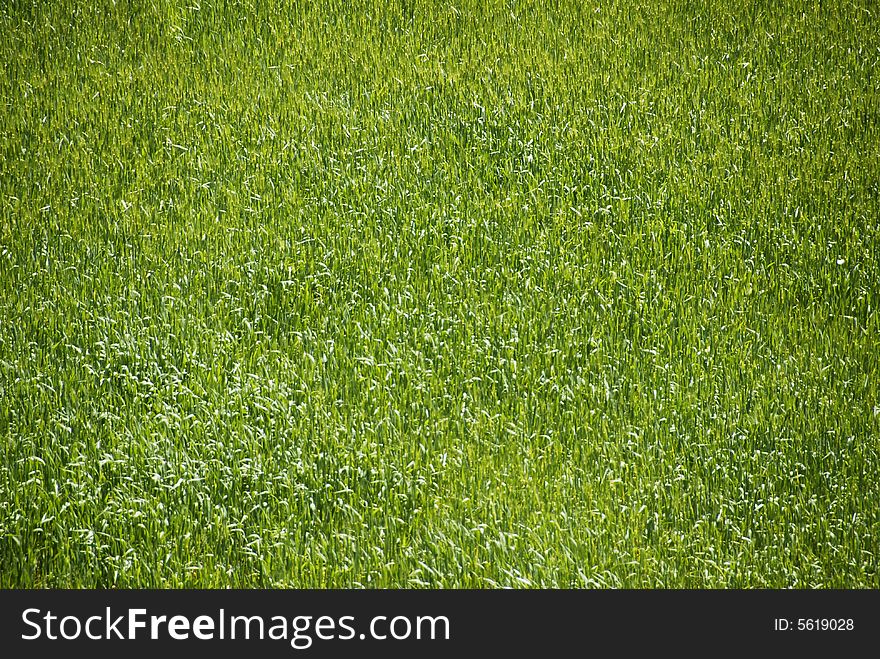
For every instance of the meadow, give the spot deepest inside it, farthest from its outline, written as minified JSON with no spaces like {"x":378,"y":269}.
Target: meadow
{"x":439,"y":294}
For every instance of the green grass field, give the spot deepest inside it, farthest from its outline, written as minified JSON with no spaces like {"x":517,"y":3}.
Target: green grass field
{"x":434,"y":294}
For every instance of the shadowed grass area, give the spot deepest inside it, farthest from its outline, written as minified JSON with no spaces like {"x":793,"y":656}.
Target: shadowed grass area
{"x":417,"y":294}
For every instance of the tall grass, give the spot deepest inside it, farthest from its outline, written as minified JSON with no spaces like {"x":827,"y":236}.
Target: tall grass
{"x":431,"y":294}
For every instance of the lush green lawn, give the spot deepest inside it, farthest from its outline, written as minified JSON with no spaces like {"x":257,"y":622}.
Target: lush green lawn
{"x":439,"y":294}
